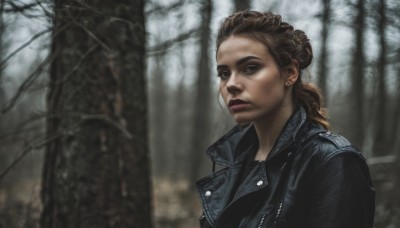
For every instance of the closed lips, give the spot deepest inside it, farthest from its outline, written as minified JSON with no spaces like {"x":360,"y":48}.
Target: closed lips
{"x":236,"y":102}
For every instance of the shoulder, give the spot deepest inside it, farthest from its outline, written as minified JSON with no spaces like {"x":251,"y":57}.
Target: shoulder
{"x":330,"y":149}
{"x":334,"y":139}
{"x":328,"y":144}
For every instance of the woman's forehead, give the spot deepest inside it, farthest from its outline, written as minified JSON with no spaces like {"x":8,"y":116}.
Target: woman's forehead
{"x":238,"y":46}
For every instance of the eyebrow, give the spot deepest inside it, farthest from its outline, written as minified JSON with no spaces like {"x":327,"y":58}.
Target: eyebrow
{"x":240,"y":61}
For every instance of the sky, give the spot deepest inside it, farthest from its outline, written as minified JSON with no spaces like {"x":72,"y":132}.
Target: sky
{"x":163,"y":28}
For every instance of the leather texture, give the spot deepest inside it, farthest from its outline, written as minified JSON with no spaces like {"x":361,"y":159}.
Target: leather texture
{"x":311,"y":178}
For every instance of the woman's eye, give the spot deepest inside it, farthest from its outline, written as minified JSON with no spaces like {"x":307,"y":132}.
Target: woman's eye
{"x":249,"y":69}
{"x":223,"y":74}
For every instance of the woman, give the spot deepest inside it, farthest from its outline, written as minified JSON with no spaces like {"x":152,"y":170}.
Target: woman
{"x":281,"y":167}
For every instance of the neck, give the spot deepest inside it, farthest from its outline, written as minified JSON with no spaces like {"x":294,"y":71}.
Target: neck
{"x":269,"y":128}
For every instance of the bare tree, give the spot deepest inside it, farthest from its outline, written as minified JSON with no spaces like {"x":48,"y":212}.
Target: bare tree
{"x":393,"y":198}
{"x":181,"y":97}
{"x":323,"y":57}
{"x":202,"y":101}
{"x":2,"y":29}
{"x":158,"y":99}
{"x":242,"y":5}
{"x":357,"y":77}
{"x":395,"y":128}
{"x":96,"y":171}
{"x":379,"y":146}
{"x":2,"y":91}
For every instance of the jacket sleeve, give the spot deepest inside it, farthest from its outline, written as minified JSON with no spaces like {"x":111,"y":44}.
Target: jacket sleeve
{"x":341,"y":194}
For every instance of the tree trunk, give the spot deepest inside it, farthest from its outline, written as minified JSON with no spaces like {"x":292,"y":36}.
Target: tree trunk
{"x":357,"y":78}
{"x":181,"y":98}
{"x":2,"y":28}
{"x":395,"y":128}
{"x":96,"y":171}
{"x":242,"y":5}
{"x":3,"y":160}
{"x":159,"y":100}
{"x":202,"y":107}
{"x":323,"y":58}
{"x":379,"y":144}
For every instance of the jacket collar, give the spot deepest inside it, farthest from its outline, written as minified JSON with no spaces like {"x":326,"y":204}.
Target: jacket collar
{"x":231,"y":148}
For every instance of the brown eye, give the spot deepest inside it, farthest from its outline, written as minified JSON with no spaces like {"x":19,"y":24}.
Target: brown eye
{"x":223,"y":75}
{"x":250,"y":69}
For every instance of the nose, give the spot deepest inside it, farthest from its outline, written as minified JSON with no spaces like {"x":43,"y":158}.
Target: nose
{"x":233,"y":86}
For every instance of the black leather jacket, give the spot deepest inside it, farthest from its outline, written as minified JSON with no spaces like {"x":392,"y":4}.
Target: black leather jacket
{"x":311,"y":179}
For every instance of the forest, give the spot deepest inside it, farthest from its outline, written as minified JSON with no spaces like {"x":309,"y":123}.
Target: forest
{"x":107,"y":107}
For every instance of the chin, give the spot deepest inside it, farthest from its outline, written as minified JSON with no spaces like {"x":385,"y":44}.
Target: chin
{"x":242,"y":122}
{"x":240,"y":119}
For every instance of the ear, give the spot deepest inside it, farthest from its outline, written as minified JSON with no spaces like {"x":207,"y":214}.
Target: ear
{"x":292,"y":72}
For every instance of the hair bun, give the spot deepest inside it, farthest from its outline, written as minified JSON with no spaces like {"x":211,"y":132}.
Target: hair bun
{"x":304,"y":49}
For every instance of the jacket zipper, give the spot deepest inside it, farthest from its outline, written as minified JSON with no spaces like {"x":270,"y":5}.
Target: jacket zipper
{"x":261,"y":221}
{"x":283,"y":169}
{"x":278,"y":213}
{"x":290,"y":154}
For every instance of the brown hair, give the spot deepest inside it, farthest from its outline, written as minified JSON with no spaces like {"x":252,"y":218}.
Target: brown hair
{"x":285,"y":45}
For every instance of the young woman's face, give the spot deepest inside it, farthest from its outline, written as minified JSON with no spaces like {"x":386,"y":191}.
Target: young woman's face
{"x":251,"y":83}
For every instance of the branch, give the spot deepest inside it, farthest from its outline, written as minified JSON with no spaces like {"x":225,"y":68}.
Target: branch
{"x":18,"y":8}
{"x":21,"y":126}
{"x":165,"y":10}
{"x":101,"y":43}
{"x":107,"y":120}
{"x":49,"y":14}
{"x":26,"y":84}
{"x":78,"y":64}
{"x":2,"y":63}
{"x":25,"y":152}
{"x":96,"y":11}
{"x":84,"y":118}
{"x":162,"y":47}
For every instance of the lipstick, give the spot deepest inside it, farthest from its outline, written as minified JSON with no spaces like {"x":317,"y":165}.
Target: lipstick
{"x":237,"y":105}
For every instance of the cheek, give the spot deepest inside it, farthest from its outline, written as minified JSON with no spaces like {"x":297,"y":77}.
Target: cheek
{"x":271,"y":90}
{"x":223,"y":92}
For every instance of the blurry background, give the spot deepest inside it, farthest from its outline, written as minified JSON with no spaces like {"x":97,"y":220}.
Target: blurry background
{"x":356,"y":48}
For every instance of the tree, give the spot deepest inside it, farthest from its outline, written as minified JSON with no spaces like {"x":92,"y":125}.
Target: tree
{"x":357,"y":77}
{"x":2,"y":29}
{"x":96,"y":171}
{"x":202,"y":101}
{"x":323,"y":58}
{"x":379,"y":145}
{"x":393,"y":19}
{"x":2,"y":92}
{"x":395,"y":129}
{"x":242,"y":5}
{"x":181,"y":97}
{"x":158,"y":98}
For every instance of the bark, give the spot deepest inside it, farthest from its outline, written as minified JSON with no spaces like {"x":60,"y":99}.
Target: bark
{"x":242,"y":5}
{"x":379,"y":145}
{"x":323,"y":58}
{"x":202,"y":101}
{"x":357,"y":78}
{"x":96,"y":169}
